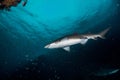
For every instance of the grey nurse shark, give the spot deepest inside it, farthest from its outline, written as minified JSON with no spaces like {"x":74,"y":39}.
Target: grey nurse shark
{"x":70,"y":40}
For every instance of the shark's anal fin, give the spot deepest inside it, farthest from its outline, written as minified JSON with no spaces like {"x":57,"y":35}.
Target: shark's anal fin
{"x":67,"y":49}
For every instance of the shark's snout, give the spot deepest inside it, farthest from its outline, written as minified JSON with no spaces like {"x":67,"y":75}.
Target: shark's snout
{"x":47,"y":46}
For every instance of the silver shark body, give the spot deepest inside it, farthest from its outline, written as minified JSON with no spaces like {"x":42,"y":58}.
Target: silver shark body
{"x":70,"y":40}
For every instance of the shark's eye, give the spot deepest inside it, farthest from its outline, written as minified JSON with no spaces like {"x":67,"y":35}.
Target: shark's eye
{"x":56,"y":42}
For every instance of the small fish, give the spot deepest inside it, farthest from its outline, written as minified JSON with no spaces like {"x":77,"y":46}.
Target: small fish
{"x":24,"y":2}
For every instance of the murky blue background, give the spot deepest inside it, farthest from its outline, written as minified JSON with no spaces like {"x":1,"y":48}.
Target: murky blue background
{"x":24,"y":31}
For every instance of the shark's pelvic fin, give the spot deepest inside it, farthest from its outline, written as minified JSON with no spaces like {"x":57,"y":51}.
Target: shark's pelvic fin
{"x":83,"y":41}
{"x":67,"y":49}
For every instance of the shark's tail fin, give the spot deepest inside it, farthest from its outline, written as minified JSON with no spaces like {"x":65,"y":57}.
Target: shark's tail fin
{"x":103,"y":33}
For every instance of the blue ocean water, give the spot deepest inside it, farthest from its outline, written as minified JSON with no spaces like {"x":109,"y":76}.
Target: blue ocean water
{"x":26,"y":30}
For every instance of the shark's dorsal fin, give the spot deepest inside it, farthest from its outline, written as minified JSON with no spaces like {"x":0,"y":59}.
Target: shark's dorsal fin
{"x":67,"y":49}
{"x":75,"y":33}
{"x":64,"y":39}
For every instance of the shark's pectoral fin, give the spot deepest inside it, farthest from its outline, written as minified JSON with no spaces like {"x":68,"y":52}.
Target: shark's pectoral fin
{"x":83,"y":41}
{"x":67,"y":49}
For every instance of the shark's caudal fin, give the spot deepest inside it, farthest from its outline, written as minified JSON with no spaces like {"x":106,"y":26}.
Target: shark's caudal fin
{"x":67,"y":49}
{"x":103,"y":33}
